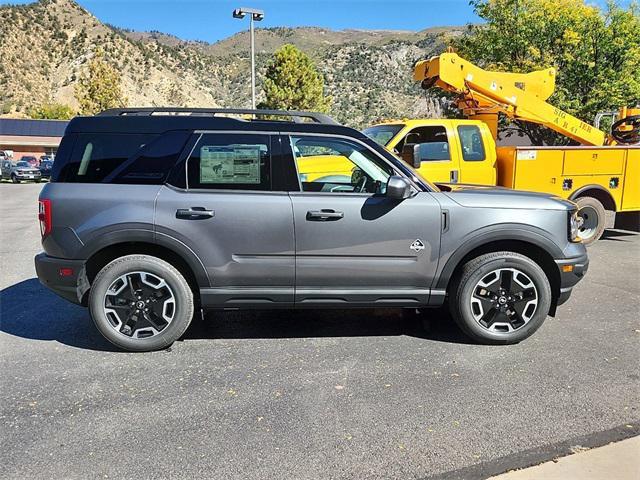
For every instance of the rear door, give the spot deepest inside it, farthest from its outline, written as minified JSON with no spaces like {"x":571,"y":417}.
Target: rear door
{"x":231,"y":212}
{"x":353,"y":244}
{"x":477,"y":155}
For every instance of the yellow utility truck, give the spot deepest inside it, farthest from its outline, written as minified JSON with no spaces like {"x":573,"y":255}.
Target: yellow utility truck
{"x":603,"y":173}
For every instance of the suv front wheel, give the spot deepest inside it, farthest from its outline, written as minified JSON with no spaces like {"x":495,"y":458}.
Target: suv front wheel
{"x":500,"y":298}
{"x":141,"y":303}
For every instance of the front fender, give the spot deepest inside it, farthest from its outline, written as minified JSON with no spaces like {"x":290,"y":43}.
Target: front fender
{"x":497,"y":233}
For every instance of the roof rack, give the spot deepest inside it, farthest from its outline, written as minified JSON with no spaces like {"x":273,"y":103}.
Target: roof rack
{"x":295,"y":115}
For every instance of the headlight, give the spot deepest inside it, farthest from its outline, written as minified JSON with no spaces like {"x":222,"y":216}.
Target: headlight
{"x":575,"y":222}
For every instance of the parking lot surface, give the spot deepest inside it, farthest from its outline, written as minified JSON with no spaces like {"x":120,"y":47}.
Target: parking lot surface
{"x":308,"y":394}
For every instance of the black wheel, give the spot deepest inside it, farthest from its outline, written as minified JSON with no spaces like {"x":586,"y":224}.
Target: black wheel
{"x":37,"y":180}
{"x":141,"y":303}
{"x":14,"y":179}
{"x":500,"y":298}
{"x":592,"y":217}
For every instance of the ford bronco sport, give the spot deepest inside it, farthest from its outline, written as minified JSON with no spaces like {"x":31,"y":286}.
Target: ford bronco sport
{"x":154,"y":214}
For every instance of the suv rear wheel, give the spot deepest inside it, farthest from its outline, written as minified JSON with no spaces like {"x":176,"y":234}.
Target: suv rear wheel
{"x":141,"y":303}
{"x":500,"y":298}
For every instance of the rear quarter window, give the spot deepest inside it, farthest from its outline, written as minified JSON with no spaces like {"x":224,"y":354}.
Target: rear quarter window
{"x":118,"y":158}
{"x":95,"y":156}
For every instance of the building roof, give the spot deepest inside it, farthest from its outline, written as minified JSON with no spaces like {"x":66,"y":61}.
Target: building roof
{"x":32,"y":128}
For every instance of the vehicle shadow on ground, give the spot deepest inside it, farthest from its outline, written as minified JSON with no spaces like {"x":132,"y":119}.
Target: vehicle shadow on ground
{"x":28,"y":310}
{"x":617,"y":235}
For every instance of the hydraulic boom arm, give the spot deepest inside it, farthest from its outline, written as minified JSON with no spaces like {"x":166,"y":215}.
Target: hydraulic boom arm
{"x":483,"y":94}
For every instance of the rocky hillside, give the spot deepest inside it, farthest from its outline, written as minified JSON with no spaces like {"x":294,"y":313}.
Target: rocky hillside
{"x":46,"y":45}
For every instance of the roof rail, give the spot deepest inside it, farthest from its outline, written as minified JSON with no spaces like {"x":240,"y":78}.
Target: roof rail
{"x":295,"y":115}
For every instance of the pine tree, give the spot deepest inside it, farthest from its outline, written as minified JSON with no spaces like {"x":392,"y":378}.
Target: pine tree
{"x":293,"y":82}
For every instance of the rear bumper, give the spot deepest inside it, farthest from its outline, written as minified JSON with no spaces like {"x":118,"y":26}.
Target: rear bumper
{"x":572,"y":270}
{"x":71,"y":286}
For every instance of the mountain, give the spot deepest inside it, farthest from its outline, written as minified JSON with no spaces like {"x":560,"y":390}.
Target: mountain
{"x":45,"y":46}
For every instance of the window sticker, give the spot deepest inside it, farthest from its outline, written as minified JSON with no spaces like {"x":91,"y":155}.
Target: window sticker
{"x":230,"y":164}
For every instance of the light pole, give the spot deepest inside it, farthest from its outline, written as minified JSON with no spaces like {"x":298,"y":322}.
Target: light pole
{"x":254,"y":15}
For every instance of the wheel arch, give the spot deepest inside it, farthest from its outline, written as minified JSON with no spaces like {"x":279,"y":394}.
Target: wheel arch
{"x":599,"y":193}
{"x":532,"y":245}
{"x":181,"y":258}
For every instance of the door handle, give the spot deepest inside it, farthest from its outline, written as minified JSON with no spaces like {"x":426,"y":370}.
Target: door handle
{"x":453,"y":177}
{"x":324,"y":215}
{"x":194,"y":213}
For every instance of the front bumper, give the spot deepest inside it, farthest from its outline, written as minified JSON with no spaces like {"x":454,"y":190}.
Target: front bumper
{"x":28,"y":176}
{"x":572,"y":270}
{"x":72,"y":285}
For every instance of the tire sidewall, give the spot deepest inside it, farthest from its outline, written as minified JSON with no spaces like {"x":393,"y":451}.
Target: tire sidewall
{"x":177,"y":283}
{"x":597,"y":206}
{"x":539,"y":279}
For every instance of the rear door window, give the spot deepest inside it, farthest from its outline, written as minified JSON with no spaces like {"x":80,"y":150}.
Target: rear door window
{"x":471,"y":142}
{"x":230,"y":162}
{"x":95,"y":156}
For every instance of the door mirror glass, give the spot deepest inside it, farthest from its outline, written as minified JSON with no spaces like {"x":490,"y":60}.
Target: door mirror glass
{"x":398,"y":188}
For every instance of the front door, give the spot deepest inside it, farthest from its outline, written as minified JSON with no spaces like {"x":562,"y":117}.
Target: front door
{"x":353,"y":244}
{"x":440,"y":163}
{"x":234,"y":220}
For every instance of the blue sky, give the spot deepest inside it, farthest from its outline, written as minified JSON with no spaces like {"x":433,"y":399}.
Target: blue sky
{"x":211,"y":20}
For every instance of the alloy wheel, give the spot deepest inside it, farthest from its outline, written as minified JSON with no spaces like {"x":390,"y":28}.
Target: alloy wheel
{"x":504,"y":300}
{"x":139,"y":304}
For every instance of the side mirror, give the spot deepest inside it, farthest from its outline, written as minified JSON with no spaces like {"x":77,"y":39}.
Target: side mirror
{"x":411,"y":154}
{"x":398,"y":188}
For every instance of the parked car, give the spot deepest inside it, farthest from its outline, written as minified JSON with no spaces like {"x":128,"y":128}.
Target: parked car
{"x":45,"y":168}
{"x":21,"y":171}
{"x":33,"y":161}
{"x":151,"y":216}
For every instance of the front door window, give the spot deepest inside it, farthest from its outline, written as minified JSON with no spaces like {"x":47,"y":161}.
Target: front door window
{"x":330,"y":165}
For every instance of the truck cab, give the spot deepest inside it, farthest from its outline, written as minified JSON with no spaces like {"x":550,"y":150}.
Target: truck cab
{"x":443,"y":151}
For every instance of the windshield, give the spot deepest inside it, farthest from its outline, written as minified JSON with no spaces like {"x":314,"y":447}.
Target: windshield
{"x":382,"y":134}
{"x":22,"y":164}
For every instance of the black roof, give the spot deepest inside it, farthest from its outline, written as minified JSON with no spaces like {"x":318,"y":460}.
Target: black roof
{"x":32,"y":128}
{"x":147,"y":121}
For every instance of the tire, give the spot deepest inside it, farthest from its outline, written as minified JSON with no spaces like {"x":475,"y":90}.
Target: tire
{"x":473,"y":314}
{"x":14,"y":179}
{"x":142,"y":274}
{"x":594,"y":219}
{"x":37,"y":181}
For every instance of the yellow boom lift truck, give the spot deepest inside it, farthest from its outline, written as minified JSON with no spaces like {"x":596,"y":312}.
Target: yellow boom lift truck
{"x":603,"y":173}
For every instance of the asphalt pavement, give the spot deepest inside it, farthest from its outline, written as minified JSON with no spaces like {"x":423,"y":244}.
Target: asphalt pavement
{"x":310,"y":394}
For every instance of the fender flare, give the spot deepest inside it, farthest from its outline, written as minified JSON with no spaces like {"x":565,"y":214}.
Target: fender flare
{"x":145,"y":235}
{"x":497,"y":233}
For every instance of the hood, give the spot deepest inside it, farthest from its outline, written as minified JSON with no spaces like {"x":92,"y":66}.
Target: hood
{"x":480,"y":196}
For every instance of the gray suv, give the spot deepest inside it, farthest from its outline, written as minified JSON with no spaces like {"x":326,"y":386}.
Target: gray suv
{"x":155,"y":214}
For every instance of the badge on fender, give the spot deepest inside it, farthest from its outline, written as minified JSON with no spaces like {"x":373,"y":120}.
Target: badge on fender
{"x":417,"y":245}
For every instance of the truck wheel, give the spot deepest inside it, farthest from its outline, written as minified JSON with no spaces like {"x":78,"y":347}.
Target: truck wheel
{"x":141,"y":303}
{"x":500,"y":298}
{"x":593,"y":217}
{"x":14,"y":179}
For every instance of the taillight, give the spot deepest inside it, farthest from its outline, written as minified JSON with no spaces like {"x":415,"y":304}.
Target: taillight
{"x":44,"y":216}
